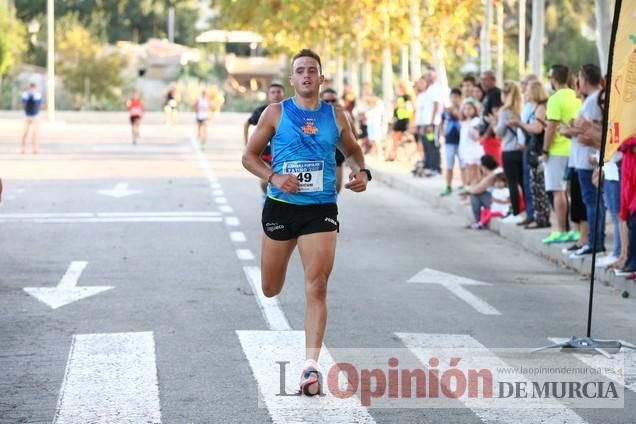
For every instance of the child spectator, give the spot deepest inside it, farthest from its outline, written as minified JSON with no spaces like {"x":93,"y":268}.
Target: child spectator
{"x":500,"y":205}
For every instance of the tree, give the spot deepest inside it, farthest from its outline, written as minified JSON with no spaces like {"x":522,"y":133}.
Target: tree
{"x":89,"y":71}
{"x":12,"y":41}
{"x":603,"y":31}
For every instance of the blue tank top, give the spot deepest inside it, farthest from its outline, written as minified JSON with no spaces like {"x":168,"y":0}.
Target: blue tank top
{"x":305,"y":145}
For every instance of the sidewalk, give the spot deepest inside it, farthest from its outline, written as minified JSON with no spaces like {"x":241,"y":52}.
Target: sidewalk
{"x":398,"y":175}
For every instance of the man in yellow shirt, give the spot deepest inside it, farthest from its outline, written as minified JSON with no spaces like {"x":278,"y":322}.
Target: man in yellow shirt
{"x":562,"y":108}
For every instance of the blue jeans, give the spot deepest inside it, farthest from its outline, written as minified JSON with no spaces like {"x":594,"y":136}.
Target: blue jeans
{"x":527,"y":191}
{"x":478,"y":201}
{"x":596,"y":223}
{"x":612,"y":198}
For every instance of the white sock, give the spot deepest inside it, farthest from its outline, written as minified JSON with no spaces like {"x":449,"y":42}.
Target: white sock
{"x":310,"y":363}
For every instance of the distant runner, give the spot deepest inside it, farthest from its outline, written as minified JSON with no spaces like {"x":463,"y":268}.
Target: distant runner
{"x":32,"y":102}
{"x":301,"y":206}
{"x":135,"y":110}
{"x":275,"y":93}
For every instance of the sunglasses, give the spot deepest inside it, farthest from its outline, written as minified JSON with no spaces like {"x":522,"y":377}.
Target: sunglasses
{"x":329,"y":100}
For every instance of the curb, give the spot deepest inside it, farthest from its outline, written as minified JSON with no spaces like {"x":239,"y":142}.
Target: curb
{"x":524,"y":239}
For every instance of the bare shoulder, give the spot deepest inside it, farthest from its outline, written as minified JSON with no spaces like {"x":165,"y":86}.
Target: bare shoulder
{"x":271,"y":115}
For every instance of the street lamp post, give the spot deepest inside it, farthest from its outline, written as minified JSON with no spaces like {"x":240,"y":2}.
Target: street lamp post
{"x":50,"y":61}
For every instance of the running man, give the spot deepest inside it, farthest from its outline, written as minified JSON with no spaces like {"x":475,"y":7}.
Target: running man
{"x":275,"y":94}
{"x":202,"y":107}
{"x":330,"y":96}
{"x":32,"y":101}
{"x":135,"y":110}
{"x":301,"y":209}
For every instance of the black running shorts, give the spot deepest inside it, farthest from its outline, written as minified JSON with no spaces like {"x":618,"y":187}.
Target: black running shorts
{"x":286,"y":221}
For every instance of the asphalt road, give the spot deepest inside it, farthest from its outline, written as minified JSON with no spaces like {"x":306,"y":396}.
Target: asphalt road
{"x":173,"y":234}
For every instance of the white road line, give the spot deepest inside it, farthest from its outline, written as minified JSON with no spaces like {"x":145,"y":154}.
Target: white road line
{"x":141,"y":148}
{"x":454,"y":284}
{"x":226,"y":209}
{"x":218,"y":193}
{"x":274,"y":315}
{"x":215,"y":185}
{"x":107,"y":214}
{"x":625,"y":361}
{"x":114,"y":220}
{"x":110,"y":378}
{"x":189,"y":214}
{"x":220,"y":200}
{"x":232,"y":221}
{"x":245,"y":254}
{"x":495,"y":411}
{"x":264,"y":349}
{"x":238,"y":236}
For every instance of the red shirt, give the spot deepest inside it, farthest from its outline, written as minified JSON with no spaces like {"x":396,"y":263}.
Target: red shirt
{"x":628,"y":179}
{"x":135,"y":107}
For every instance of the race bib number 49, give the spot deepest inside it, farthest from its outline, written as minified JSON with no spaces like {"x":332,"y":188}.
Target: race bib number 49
{"x":308,"y":173}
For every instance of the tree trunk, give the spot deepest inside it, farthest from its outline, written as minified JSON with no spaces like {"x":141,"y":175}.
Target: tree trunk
{"x":603,"y":31}
{"x":339,"y":83}
{"x":367,"y":71}
{"x":416,"y":44}
{"x":485,"y":47}
{"x":404,"y":63}
{"x":500,"y":41}
{"x":387,"y":68}
{"x":537,"y":37}
{"x":522,"y":38}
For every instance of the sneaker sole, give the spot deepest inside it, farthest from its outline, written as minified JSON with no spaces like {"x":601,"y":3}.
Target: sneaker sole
{"x":310,"y":387}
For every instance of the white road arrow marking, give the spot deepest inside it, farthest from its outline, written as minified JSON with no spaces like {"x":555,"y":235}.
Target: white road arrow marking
{"x":454,"y":284}
{"x":66,"y":291}
{"x":110,"y":378}
{"x":120,"y":190}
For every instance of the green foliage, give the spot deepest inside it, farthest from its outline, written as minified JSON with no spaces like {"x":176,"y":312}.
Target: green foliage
{"x":565,"y":42}
{"x":115,"y":20}
{"x":91,"y":74}
{"x":12,"y":41}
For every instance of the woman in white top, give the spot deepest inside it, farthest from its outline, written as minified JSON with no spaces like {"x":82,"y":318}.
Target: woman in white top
{"x":202,"y":109}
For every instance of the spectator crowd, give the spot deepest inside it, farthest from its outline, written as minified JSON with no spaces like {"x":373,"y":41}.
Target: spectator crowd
{"x":527,"y":153}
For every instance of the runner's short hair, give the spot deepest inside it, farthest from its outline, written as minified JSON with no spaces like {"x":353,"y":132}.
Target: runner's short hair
{"x":328,"y":91}
{"x":489,"y":162}
{"x":560,"y":73}
{"x":456,"y":91}
{"x":470,"y":78}
{"x":307,"y":53}
{"x":276,"y":85}
{"x":592,"y":74}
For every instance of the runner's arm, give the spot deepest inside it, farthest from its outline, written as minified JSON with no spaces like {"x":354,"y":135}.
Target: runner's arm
{"x":252,"y":161}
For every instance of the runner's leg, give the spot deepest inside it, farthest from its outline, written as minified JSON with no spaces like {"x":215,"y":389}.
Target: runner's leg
{"x":317,"y":252}
{"x":34,"y":135}
{"x":275,"y":256}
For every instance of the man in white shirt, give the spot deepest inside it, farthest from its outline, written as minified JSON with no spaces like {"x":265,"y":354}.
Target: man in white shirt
{"x":429,"y":106}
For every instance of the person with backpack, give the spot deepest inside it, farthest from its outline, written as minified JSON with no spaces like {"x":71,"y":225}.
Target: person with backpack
{"x":32,"y":103}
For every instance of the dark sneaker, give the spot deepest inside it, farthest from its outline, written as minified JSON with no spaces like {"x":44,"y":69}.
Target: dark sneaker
{"x":571,"y":249}
{"x":310,"y":382}
{"x":584,"y":251}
